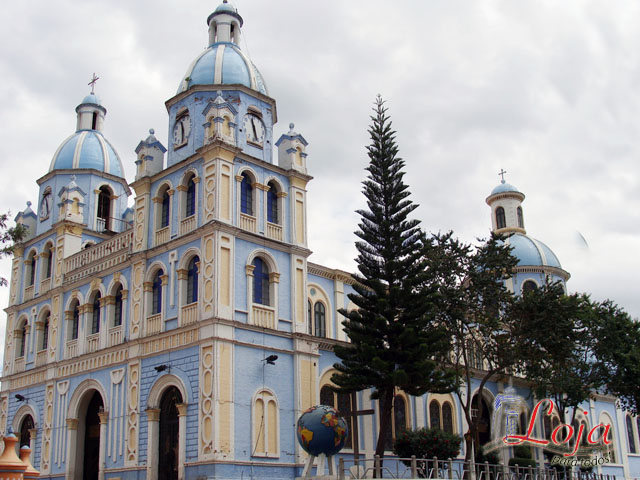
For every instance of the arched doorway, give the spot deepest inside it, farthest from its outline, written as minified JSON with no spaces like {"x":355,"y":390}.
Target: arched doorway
{"x":484,"y":426}
{"x":169,"y":430}
{"x":26,"y":426}
{"x":91,"y":462}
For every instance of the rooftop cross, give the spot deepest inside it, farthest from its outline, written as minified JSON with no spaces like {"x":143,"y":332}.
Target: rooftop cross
{"x":501,"y":173}
{"x":93,"y":81}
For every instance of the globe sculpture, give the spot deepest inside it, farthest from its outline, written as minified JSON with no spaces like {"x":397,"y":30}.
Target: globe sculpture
{"x":322,"y":431}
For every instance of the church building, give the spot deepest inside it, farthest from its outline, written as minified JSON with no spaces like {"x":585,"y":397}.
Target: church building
{"x":175,"y":327}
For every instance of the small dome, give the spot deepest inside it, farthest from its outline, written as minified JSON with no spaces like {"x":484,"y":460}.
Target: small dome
{"x":223,"y":63}
{"x":504,"y":187}
{"x":531,"y":252}
{"x":92,"y":99}
{"x":225,"y":8}
{"x":87,"y":149}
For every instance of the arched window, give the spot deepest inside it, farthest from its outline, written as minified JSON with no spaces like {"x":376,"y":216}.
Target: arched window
{"x":266,"y":426}
{"x":630,"y":436}
{"x":95,"y":315}
{"x":164,"y":209}
{"x":104,"y":209}
{"x":31,"y":269}
{"x":75,"y":320}
{"x":190,"y":203}
{"x":169,"y":434}
{"x":434,"y":414}
{"x":500,"y":218}
{"x":273,"y":215}
{"x":156,"y":293}
{"x":399,"y":420}
{"x":117,"y":307}
{"x":21,"y":340}
{"x":447,"y":417}
{"x":26,"y":426}
{"x":48,"y":261}
{"x":260,"y":282}
{"x":192,"y":280}
{"x":246,"y":195}
{"x":342,"y":403}
{"x":520,"y":218}
{"x":319,"y":320}
{"x":529,"y":286}
{"x":44,"y":340}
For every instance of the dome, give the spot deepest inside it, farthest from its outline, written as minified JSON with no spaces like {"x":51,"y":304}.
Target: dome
{"x":531,"y":252}
{"x":223,"y":63}
{"x":92,"y":99}
{"x":225,"y":8}
{"x":87,"y":149}
{"x":503,"y":188}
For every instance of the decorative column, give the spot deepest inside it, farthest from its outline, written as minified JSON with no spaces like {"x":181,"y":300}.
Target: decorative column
{"x":33,"y":433}
{"x":153,"y":424}
{"x":182,"y":438}
{"x":104,"y":417}
{"x":249,"y":271}
{"x":103,"y":325}
{"x":72,"y":436}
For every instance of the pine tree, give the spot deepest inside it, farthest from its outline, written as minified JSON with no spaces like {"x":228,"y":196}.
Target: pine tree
{"x":394,"y":339}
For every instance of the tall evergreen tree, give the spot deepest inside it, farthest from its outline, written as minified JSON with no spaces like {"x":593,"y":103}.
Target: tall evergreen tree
{"x":395,"y":341}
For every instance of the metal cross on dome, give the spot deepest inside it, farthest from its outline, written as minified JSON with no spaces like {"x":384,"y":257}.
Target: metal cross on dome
{"x":501,"y":173}
{"x":93,"y":81}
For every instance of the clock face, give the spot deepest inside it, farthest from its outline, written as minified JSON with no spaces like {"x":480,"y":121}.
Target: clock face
{"x":254,"y":129}
{"x":181,"y":131}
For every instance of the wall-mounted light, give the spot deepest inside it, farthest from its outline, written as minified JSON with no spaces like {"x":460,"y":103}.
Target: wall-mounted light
{"x":21,"y":398}
{"x":271,"y":359}
{"x":161,"y":368}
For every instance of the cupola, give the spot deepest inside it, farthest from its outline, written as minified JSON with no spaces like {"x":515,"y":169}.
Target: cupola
{"x":506,"y":208}
{"x":223,"y":62}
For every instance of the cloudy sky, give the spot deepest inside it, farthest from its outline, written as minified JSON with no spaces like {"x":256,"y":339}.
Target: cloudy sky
{"x":547,"y":90}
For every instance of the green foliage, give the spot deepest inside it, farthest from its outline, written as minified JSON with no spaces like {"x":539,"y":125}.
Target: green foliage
{"x":471,"y":300}
{"x":522,"y":451}
{"x":395,"y":340}
{"x":522,"y":462}
{"x":493,"y":458}
{"x":8,"y":237}
{"x":427,"y":443}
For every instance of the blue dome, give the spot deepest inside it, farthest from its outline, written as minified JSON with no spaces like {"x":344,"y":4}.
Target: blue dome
{"x":92,"y":98}
{"x":225,"y":8}
{"x":531,"y":252}
{"x":504,"y":187}
{"x":223,"y":63}
{"x":87,"y":149}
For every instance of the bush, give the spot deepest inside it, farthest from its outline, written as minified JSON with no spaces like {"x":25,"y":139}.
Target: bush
{"x":427,"y":443}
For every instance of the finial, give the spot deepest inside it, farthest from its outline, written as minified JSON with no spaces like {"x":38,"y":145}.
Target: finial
{"x":225,"y":1}
{"x":152,"y":131}
{"x":73,"y":178}
{"x":28,"y":203}
{"x":501,"y":173}
{"x":291,"y":125}
{"x":93,"y":81}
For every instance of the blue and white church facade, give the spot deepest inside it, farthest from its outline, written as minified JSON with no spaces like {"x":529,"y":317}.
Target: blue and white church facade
{"x":182,"y":336}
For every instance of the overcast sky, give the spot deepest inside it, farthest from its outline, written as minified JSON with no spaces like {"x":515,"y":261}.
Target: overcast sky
{"x":547,"y":90}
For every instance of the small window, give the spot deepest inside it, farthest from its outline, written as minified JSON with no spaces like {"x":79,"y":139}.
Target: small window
{"x":272,"y":204}
{"x":49,"y":262}
{"x":104,"y":209}
{"x":192,"y":280}
{"x":520,"y":218}
{"x":117,"y":308}
{"x":260,"y":282}
{"x":31,"y":269}
{"x":434,"y":414}
{"x":156,"y":293}
{"x":164,"y":212}
{"x":319,"y":320}
{"x":630,"y":436}
{"x":529,"y":286}
{"x":246,"y":195}
{"x":191,"y":198}
{"x":500,"y":218}
{"x":75,"y":321}
{"x":44,"y":343}
{"x":447,"y":417}
{"x":22,"y":340}
{"x":95,"y":315}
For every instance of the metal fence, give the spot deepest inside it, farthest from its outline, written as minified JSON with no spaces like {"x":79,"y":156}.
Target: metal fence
{"x":452,"y":470}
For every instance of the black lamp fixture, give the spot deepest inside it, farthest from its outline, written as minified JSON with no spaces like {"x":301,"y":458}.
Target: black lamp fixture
{"x":161,"y":368}
{"x":21,"y":398}
{"x":271,"y":359}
